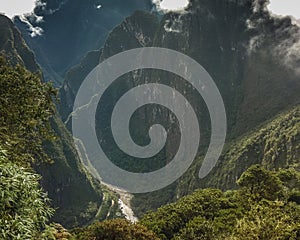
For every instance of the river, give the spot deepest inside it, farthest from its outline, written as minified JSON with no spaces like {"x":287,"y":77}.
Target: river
{"x":124,"y":202}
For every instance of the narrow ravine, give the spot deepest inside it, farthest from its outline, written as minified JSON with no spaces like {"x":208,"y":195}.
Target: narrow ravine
{"x":125,"y":197}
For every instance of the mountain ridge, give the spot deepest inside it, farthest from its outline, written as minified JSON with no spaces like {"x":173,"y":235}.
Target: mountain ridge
{"x":233,"y":41}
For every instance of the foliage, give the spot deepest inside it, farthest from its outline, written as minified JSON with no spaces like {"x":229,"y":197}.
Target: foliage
{"x":26,"y":104}
{"x":274,"y":145}
{"x":55,"y":231}
{"x":260,"y":183}
{"x":24,"y":207}
{"x":263,"y":208}
{"x":26,"y":113}
{"x":117,"y":229}
{"x":291,"y":184}
{"x":216,"y":211}
{"x":269,"y":220}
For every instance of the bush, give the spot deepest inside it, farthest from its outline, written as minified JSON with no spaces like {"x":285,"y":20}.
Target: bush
{"x":118,"y":229}
{"x":24,"y":207}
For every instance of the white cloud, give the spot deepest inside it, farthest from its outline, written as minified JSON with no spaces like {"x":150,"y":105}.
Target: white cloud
{"x":34,"y":31}
{"x":289,"y":49}
{"x":285,"y":7}
{"x":12,"y":8}
{"x":171,"y":5}
{"x":24,"y":9}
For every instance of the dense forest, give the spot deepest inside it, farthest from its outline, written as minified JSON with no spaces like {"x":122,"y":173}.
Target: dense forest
{"x":48,"y":193}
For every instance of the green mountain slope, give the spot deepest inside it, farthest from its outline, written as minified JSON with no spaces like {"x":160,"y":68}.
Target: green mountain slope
{"x":257,"y":210}
{"x":274,"y":145}
{"x":75,"y":195}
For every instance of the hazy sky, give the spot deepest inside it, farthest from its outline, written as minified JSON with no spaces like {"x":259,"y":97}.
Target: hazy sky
{"x":172,"y":4}
{"x":285,"y":7}
{"x":281,"y":7}
{"x":16,"y":7}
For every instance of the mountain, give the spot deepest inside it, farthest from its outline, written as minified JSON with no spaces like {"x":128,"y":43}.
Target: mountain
{"x":274,"y":145}
{"x":252,"y":57}
{"x":125,"y":36}
{"x":75,"y":195}
{"x":13,"y":46}
{"x":62,"y":32}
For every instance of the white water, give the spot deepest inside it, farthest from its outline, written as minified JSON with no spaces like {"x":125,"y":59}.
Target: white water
{"x":127,"y":211}
{"x":124,"y":203}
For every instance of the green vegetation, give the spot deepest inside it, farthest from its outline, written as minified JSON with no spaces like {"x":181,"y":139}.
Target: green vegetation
{"x":109,"y":208}
{"x":28,"y":138}
{"x":262,"y":209}
{"x":259,"y":184}
{"x":274,"y":144}
{"x":55,"y":231}
{"x":25,"y":108}
{"x":118,"y":229}
{"x":24,"y":207}
{"x":255,"y":87}
{"x":268,"y":220}
{"x":259,"y":209}
{"x":13,"y":47}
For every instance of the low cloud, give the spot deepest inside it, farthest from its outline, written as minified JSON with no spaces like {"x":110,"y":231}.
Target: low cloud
{"x":280,"y":33}
{"x":33,"y":31}
{"x":32,"y":20}
{"x":49,"y":11}
{"x":289,"y":51}
{"x":171,"y":5}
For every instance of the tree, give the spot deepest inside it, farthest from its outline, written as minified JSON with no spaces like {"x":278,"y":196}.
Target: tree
{"x":260,"y":183}
{"x":197,"y":229}
{"x":26,"y":105}
{"x":291,"y":183}
{"x":268,"y":220}
{"x":118,"y":229}
{"x":181,"y":218}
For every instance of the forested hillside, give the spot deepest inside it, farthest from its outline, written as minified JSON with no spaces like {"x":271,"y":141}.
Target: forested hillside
{"x":74,"y":194}
{"x":48,"y":192}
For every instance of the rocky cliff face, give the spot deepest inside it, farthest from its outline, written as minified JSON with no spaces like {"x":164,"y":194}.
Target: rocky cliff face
{"x":62,"y":32}
{"x":136,"y":31}
{"x":274,"y":145}
{"x":13,"y":46}
{"x":251,"y":55}
{"x":231,"y":41}
{"x":74,"y":194}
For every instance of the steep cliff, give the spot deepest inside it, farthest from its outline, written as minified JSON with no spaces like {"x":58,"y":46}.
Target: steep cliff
{"x":13,"y":46}
{"x":250,"y":54}
{"x":74,"y":194}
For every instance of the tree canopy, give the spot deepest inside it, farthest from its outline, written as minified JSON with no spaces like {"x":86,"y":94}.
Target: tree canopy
{"x":26,"y":105}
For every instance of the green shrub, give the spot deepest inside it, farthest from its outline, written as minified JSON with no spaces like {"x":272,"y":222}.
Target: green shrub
{"x":24,"y":208}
